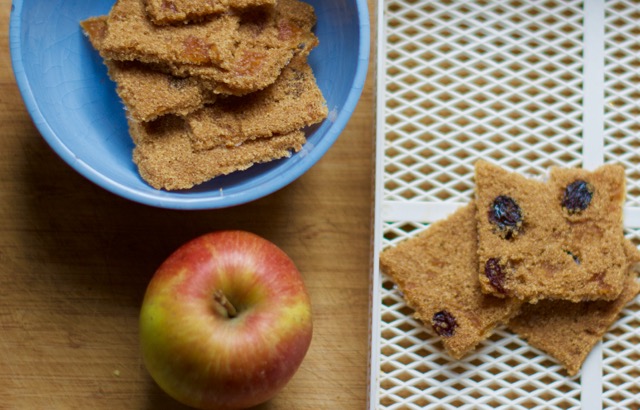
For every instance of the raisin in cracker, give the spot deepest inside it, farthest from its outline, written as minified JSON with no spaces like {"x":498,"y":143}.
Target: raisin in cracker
{"x":437,"y":273}
{"x":592,"y":206}
{"x":569,"y":331}
{"x":244,"y":51}
{"x":166,"y":159}
{"x":182,"y":11}
{"x":145,"y":92}
{"x":536,"y":244}
{"x":294,"y":101}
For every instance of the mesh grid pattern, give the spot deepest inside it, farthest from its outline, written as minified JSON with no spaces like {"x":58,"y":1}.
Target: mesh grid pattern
{"x":504,"y":80}
{"x":622,"y":91}
{"x":473,"y":79}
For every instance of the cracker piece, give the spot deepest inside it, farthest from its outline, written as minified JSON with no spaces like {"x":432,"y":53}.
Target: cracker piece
{"x":436,"y":271}
{"x":182,"y":11}
{"x":531,"y":248}
{"x":294,"y":101}
{"x":568,"y":331}
{"x":147,"y":93}
{"x":166,"y":160}
{"x":244,"y":51}
{"x":95,"y":28}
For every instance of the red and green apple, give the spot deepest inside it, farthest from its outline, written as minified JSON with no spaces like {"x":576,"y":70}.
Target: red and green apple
{"x":225,"y":321}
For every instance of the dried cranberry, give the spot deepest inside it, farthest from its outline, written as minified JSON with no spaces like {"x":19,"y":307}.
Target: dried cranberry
{"x":444,"y":323}
{"x":494,"y":271}
{"x":506,"y":215}
{"x":577,"y":196}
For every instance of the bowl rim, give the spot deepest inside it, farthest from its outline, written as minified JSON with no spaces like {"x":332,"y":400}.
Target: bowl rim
{"x":166,"y":199}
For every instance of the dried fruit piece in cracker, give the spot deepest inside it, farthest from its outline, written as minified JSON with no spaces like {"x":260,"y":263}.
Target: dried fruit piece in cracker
{"x":145,"y":92}
{"x":437,"y":273}
{"x":244,"y":51}
{"x":532,"y":248}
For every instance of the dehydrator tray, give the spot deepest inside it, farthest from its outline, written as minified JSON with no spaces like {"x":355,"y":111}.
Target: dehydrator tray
{"x":527,"y":85}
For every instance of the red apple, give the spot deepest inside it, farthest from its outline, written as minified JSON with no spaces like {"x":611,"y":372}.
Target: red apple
{"x":225,"y":321}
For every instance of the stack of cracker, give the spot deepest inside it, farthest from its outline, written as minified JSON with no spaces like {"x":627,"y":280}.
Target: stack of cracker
{"x":210,"y":87}
{"x":546,"y":258}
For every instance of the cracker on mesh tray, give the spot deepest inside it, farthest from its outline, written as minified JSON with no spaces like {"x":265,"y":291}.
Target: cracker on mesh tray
{"x":568,"y":331}
{"x":532,"y":247}
{"x":436,"y":271}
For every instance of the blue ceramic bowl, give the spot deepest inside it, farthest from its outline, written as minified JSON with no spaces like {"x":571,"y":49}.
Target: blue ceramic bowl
{"x":74,"y":105}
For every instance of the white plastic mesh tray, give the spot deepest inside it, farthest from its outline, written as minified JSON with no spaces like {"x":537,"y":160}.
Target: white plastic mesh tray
{"x":526,"y":84}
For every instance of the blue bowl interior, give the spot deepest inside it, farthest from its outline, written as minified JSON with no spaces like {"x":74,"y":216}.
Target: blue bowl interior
{"x":73,"y":103}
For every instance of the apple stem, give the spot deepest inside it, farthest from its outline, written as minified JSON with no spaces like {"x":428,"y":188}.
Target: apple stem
{"x":219,"y":297}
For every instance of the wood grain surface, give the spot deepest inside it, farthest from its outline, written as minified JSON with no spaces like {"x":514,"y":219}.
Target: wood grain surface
{"x":75,"y":261}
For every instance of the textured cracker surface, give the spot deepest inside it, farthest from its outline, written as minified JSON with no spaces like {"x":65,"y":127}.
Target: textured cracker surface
{"x":157,"y":92}
{"x":166,"y":159}
{"x":174,"y":11}
{"x":147,"y":93}
{"x":569,"y":331}
{"x":538,"y":261}
{"x":437,"y":270}
{"x":294,"y":101}
{"x":244,"y":51}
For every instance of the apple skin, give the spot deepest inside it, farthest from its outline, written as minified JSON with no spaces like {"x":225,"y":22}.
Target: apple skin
{"x":202,"y":357}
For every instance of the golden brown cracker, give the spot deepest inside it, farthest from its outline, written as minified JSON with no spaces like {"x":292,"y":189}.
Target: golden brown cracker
{"x":569,"y":331}
{"x":145,"y":92}
{"x":546,"y":252}
{"x":166,"y":159}
{"x":244,"y":51}
{"x":182,"y":11}
{"x":294,"y":101}
{"x":436,"y":271}
{"x":95,"y":28}
{"x":148,"y":94}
